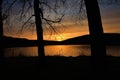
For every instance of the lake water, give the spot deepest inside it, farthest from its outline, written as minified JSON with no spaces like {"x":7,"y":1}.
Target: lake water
{"x":59,"y":50}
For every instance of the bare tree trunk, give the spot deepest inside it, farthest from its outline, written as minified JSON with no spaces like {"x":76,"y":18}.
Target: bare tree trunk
{"x":98,"y":50}
{"x":39,"y":29}
{"x":1,"y":30}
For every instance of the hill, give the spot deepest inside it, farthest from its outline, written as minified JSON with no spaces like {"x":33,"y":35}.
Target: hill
{"x":17,"y":42}
{"x":110,"y":39}
{"x":22,"y":42}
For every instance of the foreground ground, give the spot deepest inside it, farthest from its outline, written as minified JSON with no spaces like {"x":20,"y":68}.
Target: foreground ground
{"x":60,"y":67}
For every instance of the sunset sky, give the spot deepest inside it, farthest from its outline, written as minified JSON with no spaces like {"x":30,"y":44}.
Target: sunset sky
{"x":70,"y":26}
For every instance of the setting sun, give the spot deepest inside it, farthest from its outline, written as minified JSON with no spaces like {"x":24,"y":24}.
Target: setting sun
{"x":59,"y":37}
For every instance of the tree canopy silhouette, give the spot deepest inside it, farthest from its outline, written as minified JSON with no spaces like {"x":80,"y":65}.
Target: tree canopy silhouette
{"x":41,"y":18}
{"x":96,"y":29}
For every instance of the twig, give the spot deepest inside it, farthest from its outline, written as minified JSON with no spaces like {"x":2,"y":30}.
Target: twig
{"x":10,"y":6}
{"x":51,"y":27}
{"x":25,"y":24}
{"x":57,"y":21}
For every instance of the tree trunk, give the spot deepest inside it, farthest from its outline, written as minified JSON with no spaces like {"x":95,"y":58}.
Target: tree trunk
{"x":1,"y":30}
{"x":98,"y":50}
{"x":39,"y":29}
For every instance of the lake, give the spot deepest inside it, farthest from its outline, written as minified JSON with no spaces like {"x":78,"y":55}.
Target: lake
{"x":59,"y":50}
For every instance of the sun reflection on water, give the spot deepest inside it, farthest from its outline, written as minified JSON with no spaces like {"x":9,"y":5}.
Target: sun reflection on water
{"x":52,"y":50}
{"x":67,"y":50}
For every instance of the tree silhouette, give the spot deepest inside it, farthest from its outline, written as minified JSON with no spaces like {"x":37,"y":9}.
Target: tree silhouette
{"x":95,"y":25}
{"x":3,"y":16}
{"x":38,"y":21}
{"x":37,"y":7}
{"x":39,"y":16}
{"x":98,"y":50}
{"x":1,"y":30}
{"x":96,"y":30}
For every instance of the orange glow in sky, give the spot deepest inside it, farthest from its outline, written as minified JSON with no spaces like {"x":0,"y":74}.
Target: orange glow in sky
{"x":59,"y":38}
{"x":110,"y":20}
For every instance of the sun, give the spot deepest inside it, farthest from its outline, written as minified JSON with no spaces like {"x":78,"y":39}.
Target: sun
{"x":59,"y":38}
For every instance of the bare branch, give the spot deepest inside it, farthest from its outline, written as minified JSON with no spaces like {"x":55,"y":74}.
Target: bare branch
{"x":23,"y":7}
{"x":10,"y":6}
{"x":51,"y":27}
{"x":25,"y":24}
{"x":30,"y":6}
{"x":81,"y":6}
{"x":50,"y":8}
{"x":23,"y":11}
{"x":57,"y":21}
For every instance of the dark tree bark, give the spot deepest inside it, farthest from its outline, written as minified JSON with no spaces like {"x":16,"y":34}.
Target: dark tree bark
{"x":1,"y":30}
{"x":39,"y":29}
{"x":95,"y":28}
{"x":98,"y":50}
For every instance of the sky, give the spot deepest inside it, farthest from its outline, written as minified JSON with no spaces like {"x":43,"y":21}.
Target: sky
{"x":70,"y":26}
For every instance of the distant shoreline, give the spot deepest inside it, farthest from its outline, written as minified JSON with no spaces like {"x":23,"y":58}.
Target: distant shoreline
{"x":111,"y":39}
